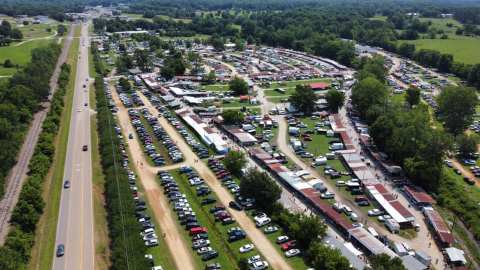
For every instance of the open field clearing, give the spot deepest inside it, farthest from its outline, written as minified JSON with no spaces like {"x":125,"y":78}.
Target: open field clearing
{"x":19,"y":54}
{"x":463,"y":49}
{"x":38,"y":30}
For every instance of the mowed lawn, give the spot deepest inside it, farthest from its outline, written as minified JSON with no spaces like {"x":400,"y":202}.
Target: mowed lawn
{"x":463,"y":49}
{"x":37,"y":30}
{"x":19,"y":54}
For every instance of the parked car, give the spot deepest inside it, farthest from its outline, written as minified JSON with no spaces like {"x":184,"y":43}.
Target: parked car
{"x":235,"y":205}
{"x":270,"y":229}
{"x":292,"y":252}
{"x":288,"y":245}
{"x":209,"y":255}
{"x":246,"y":248}
{"x":282,"y":239}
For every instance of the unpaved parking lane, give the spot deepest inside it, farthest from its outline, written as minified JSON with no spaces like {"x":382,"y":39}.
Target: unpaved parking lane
{"x":263,"y":245}
{"x":181,"y":253}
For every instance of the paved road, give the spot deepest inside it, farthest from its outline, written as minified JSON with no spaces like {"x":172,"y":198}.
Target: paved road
{"x":19,"y":172}
{"x":75,"y":221}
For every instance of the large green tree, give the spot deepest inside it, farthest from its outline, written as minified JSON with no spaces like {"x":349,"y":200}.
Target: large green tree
{"x":238,"y":86}
{"x":367,"y":94}
{"x":307,"y":229}
{"x":323,"y":257}
{"x":413,"y":96}
{"x":457,"y":107}
{"x":384,"y":262}
{"x":259,"y":186}
{"x":335,"y":100}
{"x":303,"y":99}
{"x":467,"y":144}
{"x":232,"y":117}
{"x":235,"y":161}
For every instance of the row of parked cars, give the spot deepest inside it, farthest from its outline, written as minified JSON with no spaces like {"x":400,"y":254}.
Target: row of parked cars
{"x":197,"y":147}
{"x":187,"y":217}
{"x":240,"y":203}
{"x":145,"y":137}
{"x":174,"y":153}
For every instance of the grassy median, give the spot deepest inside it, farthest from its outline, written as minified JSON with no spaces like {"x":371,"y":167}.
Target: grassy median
{"x":101,"y":239}
{"x":42,"y":252}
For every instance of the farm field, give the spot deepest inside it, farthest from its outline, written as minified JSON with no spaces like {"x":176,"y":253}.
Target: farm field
{"x":37,"y":30}
{"x":19,"y":54}
{"x":463,"y":49}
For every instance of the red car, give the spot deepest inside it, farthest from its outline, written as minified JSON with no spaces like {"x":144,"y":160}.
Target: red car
{"x":289,"y":245}
{"x":198,"y":230}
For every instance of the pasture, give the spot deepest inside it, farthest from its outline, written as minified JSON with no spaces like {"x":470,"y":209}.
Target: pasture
{"x":19,"y":54}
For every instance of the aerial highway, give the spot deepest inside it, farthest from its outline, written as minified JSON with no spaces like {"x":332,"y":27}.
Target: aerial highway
{"x":75,"y":220}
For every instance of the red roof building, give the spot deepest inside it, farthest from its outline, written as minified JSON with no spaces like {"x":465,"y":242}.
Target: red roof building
{"x":418,"y":196}
{"x":319,"y":86}
{"x":440,"y":228}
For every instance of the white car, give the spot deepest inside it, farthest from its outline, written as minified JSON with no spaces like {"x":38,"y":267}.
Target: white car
{"x":253,"y":259}
{"x":292,"y":252}
{"x":246,"y":248}
{"x":374,"y":212}
{"x":383,"y":218}
{"x":151,"y":242}
{"x":259,"y":265}
{"x":158,"y":267}
{"x":327,"y":195}
{"x":282,"y":239}
{"x":203,"y":250}
{"x":270,"y":229}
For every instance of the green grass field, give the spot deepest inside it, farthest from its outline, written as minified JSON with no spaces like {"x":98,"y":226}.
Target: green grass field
{"x":443,"y":24}
{"x":37,"y":30}
{"x":19,"y":54}
{"x":215,"y":87}
{"x":463,"y":49}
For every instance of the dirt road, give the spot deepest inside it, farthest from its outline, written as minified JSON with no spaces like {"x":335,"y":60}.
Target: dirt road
{"x":181,"y":252}
{"x":263,"y":245}
{"x":19,"y":172}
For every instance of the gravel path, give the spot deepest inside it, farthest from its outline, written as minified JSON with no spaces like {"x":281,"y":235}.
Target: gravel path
{"x":261,"y":242}
{"x":181,"y":253}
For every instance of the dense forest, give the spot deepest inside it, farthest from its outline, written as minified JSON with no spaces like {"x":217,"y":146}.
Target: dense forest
{"x":16,"y":251}
{"x":20,"y":98}
{"x":319,"y":31}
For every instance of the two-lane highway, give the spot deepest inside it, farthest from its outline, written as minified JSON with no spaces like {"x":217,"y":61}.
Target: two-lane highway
{"x":75,"y":220}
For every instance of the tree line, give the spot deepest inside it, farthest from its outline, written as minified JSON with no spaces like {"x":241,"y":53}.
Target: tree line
{"x":127,"y":248}
{"x":411,"y":138}
{"x":20,"y":98}
{"x":15,"y":253}
{"x":8,"y":33}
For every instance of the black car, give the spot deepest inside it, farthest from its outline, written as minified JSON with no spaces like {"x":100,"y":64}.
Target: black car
{"x":85,"y":147}
{"x":235,"y":205}
{"x":66,"y":184}
{"x":208,"y":200}
{"x":209,"y":255}
{"x":60,"y":250}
